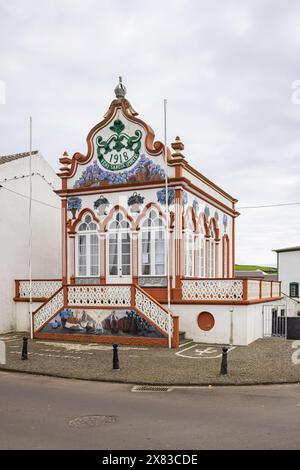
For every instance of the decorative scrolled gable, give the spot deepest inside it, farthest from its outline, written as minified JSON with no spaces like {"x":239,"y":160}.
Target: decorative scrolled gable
{"x":120,"y":149}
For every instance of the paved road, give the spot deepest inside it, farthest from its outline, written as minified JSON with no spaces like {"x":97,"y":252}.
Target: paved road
{"x":40,"y":413}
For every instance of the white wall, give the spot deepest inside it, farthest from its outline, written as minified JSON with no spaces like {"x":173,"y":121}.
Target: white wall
{"x":244,"y":324}
{"x":289,"y":269}
{"x":14,"y":231}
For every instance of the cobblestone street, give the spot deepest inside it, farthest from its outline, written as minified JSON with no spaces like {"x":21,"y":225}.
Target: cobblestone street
{"x":264,"y":361}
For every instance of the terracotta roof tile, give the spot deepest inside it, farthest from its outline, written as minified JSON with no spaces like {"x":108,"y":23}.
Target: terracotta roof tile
{"x":16,"y":156}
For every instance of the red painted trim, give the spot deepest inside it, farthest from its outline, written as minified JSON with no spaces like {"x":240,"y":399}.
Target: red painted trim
{"x":80,"y":216}
{"x":122,"y":340}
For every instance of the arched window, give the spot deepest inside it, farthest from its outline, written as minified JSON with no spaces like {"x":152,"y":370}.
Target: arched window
{"x":202,"y":242}
{"x":189,"y":249}
{"x":119,"y":247}
{"x":153,"y":246}
{"x":87,"y":248}
{"x":211,"y":254}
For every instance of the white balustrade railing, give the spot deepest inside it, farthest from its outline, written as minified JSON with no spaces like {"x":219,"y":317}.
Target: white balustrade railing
{"x":115,"y":296}
{"x":266,"y":289}
{"x":41,"y":289}
{"x":152,"y":310}
{"x":253,"y":289}
{"x":212,"y":289}
{"x":275,"y":289}
{"x":229,"y":289}
{"x":48,"y":310}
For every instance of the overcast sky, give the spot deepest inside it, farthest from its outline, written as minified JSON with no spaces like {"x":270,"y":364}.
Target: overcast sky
{"x":225,"y":67}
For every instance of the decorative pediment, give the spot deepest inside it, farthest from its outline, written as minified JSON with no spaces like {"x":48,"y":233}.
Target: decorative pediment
{"x":121,"y":149}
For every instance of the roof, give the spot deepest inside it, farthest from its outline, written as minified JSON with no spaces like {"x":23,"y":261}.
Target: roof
{"x":250,"y":273}
{"x":292,"y":248}
{"x":16,"y":156}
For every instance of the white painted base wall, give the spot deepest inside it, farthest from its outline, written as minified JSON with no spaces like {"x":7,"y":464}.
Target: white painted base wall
{"x":22,"y":315}
{"x":244,"y":324}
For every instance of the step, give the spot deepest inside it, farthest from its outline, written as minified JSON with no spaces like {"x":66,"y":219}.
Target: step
{"x":181,"y":336}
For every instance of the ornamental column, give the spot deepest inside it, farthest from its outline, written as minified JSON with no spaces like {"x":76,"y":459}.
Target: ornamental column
{"x":178,"y":243}
{"x":103,"y":260}
{"x":71,"y":259}
{"x":64,"y":250}
{"x":135,"y":257}
{"x":217,"y":245}
{"x":207,"y":255}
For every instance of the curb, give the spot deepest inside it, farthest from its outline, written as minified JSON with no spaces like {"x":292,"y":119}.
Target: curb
{"x":177,"y":384}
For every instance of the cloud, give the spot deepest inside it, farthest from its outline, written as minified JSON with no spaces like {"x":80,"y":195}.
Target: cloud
{"x":226,"y":69}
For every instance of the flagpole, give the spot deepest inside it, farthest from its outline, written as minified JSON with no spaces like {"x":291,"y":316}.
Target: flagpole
{"x":30,"y":228}
{"x":167,"y":224}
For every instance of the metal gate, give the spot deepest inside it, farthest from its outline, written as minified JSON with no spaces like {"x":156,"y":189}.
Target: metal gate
{"x":274,"y":321}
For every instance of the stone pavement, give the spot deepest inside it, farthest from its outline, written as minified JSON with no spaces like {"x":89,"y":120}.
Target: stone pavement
{"x":264,"y":361}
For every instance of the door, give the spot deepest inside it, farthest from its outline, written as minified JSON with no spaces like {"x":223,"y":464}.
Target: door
{"x":274,"y":321}
{"x":119,"y":257}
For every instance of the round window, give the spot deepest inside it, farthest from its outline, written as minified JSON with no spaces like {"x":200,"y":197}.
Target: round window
{"x":206,"y":321}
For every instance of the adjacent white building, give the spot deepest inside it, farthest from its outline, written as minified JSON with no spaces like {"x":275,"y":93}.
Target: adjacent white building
{"x":14,"y":228}
{"x":288,"y":266}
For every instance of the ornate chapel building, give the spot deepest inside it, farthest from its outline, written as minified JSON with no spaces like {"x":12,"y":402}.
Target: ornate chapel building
{"x":131,"y":243}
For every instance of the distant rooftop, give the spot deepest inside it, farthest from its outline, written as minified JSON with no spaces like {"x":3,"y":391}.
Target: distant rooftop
{"x":16,"y":156}
{"x":292,"y":248}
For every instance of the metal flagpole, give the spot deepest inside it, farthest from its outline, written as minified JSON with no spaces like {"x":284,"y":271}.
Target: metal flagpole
{"x":167,"y":221}
{"x":30,"y":229}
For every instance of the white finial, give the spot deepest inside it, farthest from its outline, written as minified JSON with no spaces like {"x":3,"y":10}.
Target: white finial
{"x":120,"y":89}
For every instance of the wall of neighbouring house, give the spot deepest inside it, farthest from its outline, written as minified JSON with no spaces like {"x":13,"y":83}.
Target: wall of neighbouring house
{"x":289,"y":269}
{"x":14,"y":246}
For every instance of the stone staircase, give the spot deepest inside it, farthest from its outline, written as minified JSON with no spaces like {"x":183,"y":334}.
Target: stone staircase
{"x":128,"y":296}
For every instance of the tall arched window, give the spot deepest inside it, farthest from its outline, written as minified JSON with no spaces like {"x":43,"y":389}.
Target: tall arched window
{"x":119,"y":246}
{"x":189,"y":249}
{"x":153,"y":246}
{"x":211,"y":254}
{"x":202,"y":241}
{"x":87,"y":248}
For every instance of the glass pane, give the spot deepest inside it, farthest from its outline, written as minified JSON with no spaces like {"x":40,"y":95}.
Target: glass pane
{"x":126,"y":270}
{"x":146,"y":269}
{"x":125,"y":259}
{"x":160,"y":269}
{"x":113,"y":259}
{"x":125,"y":237}
{"x":88,"y":219}
{"x":126,"y":248}
{"x":82,"y":227}
{"x":113,"y":270}
{"x":92,"y":226}
{"x":82,"y":245}
{"x":146,"y":235}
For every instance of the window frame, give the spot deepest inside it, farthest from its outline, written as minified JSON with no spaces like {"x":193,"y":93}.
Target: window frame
{"x":153,"y":229}
{"x":296,"y":286}
{"x":189,"y":241}
{"x":87,"y":234}
{"x":119,"y":231}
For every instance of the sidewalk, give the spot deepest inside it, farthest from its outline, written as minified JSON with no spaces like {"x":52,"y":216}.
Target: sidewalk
{"x":265,"y":361}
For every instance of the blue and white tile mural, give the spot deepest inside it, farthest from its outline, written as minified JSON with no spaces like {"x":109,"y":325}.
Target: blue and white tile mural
{"x":74,"y":205}
{"x":101,"y":322}
{"x":144,"y":170}
{"x":161,"y":196}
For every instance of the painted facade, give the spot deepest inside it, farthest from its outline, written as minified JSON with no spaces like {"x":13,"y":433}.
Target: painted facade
{"x":123,"y":233}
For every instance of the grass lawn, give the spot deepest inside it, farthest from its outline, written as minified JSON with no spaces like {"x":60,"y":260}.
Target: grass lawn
{"x":250,"y":267}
